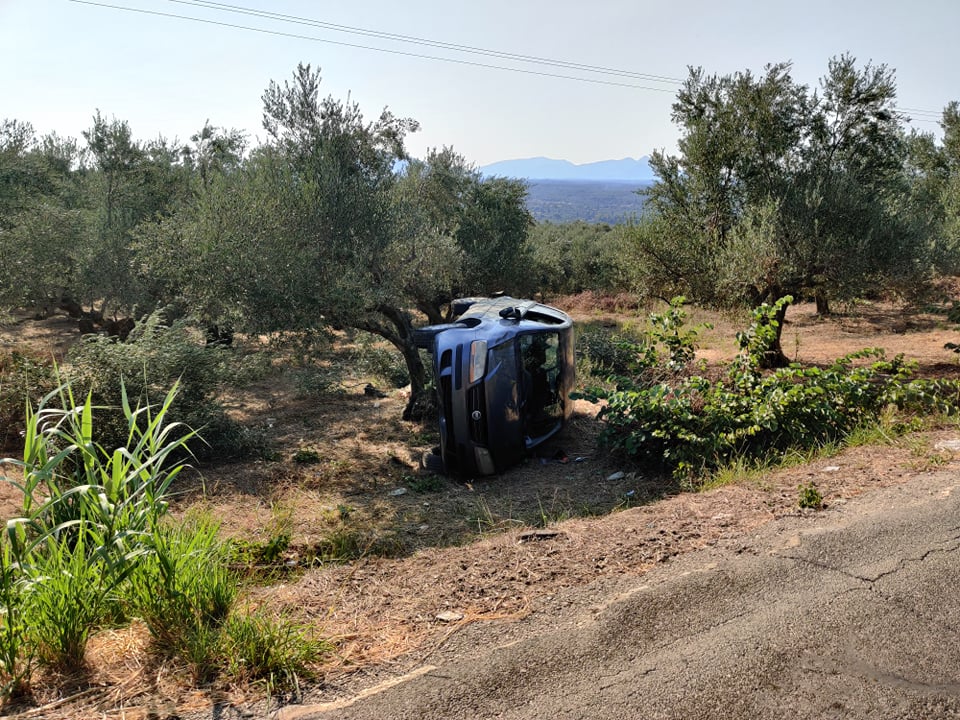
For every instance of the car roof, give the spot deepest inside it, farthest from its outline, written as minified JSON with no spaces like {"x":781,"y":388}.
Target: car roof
{"x":525,"y":311}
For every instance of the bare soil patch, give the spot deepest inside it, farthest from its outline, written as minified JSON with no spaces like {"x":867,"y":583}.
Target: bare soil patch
{"x":484,"y":550}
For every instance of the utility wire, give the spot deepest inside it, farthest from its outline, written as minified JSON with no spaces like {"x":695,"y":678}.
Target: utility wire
{"x":919,"y":115}
{"x":207,"y":4}
{"x":297,"y":36}
{"x":915,"y":113}
{"x":936,"y":115}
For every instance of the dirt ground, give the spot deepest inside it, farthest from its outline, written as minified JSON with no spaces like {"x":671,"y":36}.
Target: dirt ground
{"x":433,"y":555}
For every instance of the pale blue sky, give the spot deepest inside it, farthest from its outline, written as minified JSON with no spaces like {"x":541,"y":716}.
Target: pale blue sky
{"x":62,"y":60}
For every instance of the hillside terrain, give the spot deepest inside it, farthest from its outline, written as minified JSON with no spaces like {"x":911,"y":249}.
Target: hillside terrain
{"x":593,"y":201}
{"x":562,"y":192}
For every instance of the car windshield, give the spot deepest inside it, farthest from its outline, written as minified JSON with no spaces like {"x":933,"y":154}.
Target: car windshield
{"x":542,"y":403}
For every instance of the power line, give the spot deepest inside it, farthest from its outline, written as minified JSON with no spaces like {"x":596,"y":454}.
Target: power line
{"x":297,"y":20}
{"x":916,"y":114}
{"x":297,"y":36}
{"x":934,"y":114}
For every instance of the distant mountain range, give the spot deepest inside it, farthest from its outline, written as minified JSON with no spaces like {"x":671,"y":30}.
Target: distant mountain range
{"x":541,"y":168}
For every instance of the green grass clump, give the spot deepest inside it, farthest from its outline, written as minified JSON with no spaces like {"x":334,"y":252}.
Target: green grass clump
{"x":263,"y":647}
{"x":93,"y":546}
{"x":87,"y":514}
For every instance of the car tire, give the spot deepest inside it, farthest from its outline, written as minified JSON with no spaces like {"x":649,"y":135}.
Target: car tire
{"x":423,"y":337}
{"x":433,"y":463}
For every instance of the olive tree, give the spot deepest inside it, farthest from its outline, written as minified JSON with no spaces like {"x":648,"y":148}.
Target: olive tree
{"x":459,"y":233}
{"x":42,"y":221}
{"x":319,"y":229}
{"x":779,"y":190}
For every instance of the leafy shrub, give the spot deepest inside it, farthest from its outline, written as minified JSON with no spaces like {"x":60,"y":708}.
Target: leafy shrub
{"x":693,"y":423}
{"x":147,"y":365}
{"x":667,"y":349}
{"x":668,"y":331}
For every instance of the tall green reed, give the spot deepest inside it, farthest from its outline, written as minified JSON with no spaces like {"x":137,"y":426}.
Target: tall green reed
{"x":87,"y":516}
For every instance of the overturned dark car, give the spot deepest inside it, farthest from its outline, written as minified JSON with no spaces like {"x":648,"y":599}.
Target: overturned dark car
{"x":504,"y":370}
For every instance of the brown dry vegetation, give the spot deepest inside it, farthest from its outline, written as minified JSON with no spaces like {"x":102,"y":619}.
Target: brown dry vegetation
{"x":490,"y":549}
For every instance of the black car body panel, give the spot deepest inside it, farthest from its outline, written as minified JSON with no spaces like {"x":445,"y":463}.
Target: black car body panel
{"x":504,"y":371}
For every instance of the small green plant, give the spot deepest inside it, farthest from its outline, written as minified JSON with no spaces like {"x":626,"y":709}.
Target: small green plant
{"x":250,"y":553}
{"x":340,"y":545}
{"x":667,"y":329}
{"x":556,"y":513}
{"x":184,"y":591}
{"x":425,"y":483}
{"x":153,"y":358}
{"x":810,"y":497}
{"x":306,"y":456}
{"x":738,"y":470}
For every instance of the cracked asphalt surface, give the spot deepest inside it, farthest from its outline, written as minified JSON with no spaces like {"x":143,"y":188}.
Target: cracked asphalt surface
{"x":851,"y":612}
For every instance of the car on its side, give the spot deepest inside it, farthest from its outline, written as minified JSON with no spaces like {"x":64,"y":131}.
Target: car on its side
{"x":504,"y":370}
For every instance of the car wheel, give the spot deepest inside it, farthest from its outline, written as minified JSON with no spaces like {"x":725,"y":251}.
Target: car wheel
{"x":423,"y":337}
{"x":433,"y":463}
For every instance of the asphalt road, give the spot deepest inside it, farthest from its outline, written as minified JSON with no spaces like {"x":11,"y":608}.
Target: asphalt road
{"x":852,"y":612}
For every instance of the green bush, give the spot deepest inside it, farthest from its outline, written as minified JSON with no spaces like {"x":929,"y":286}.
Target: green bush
{"x":665,"y":350}
{"x":154,"y":357}
{"x":692,"y":424}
